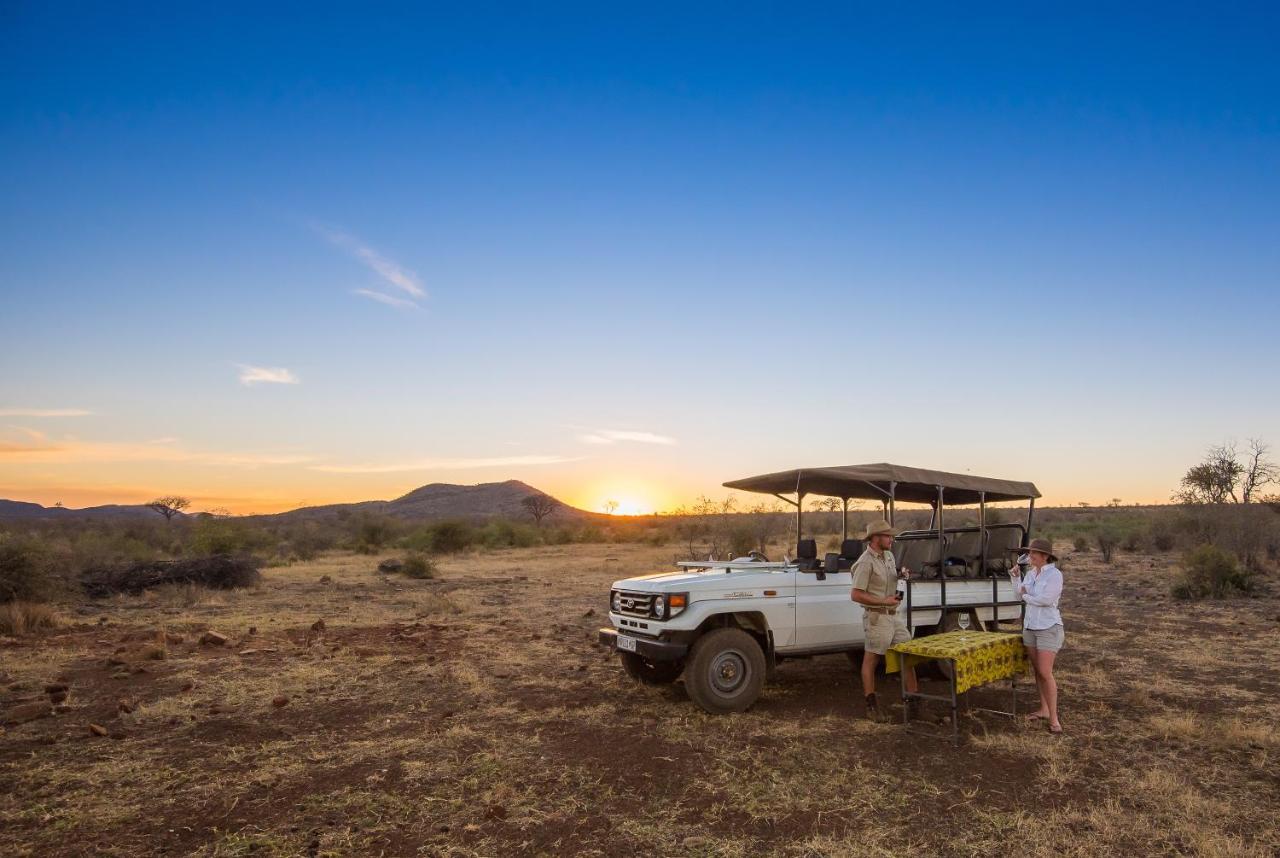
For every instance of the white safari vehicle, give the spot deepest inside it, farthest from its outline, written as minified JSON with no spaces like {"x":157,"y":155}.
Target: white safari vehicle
{"x":724,"y":625}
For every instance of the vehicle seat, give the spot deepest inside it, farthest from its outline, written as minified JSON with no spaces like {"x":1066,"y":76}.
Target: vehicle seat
{"x":965,"y":551}
{"x":850,"y":550}
{"x":921,"y":555}
{"x":999,"y":544}
{"x":807,"y":555}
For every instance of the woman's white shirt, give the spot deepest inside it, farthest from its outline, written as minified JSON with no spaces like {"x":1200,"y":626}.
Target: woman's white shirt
{"x":1041,"y":590}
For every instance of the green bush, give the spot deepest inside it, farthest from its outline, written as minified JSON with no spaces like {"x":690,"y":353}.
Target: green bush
{"x":1132,"y":541}
{"x":373,"y":532}
{"x":226,"y":536}
{"x":450,"y":537}
{"x":504,"y":533}
{"x":24,"y":570}
{"x":1108,"y":540}
{"x":1080,"y":543}
{"x":418,"y":566}
{"x":1207,"y":570}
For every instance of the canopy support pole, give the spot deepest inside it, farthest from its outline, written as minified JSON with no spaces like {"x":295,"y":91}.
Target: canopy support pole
{"x":942,"y":566}
{"x":844,"y":530}
{"x":893,"y":490}
{"x":995,"y":587}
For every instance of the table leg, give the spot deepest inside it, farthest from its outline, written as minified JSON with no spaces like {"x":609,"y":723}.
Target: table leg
{"x":902,"y":679}
{"x":955,"y":719}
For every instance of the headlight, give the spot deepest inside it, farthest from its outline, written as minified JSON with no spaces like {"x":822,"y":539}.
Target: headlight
{"x":659,"y":607}
{"x":616,"y":602}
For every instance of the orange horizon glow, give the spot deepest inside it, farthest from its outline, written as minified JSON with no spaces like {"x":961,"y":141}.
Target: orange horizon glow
{"x":634,"y":498}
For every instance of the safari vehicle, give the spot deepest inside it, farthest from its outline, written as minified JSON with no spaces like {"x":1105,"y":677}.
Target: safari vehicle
{"x":726,"y":624}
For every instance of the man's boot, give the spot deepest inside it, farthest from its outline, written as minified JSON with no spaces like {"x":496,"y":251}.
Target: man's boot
{"x":873,"y":710}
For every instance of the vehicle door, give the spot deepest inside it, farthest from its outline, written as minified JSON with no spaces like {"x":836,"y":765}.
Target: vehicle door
{"x":825,"y":615}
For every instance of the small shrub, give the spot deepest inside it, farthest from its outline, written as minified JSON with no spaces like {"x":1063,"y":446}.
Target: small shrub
{"x":221,"y":571}
{"x":418,"y":566}
{"x":1207,"y":570}
{"x":1108,"y":541}
{"x":20,"y":618}
{"x":450,"y":537}
{"x":1080,"y":544}
{"x":742,"y":541}
{"x":1132,"y":542}
{"x":372,"y":532}
{"x":24,"y":570}
{"x":1163,"y":540}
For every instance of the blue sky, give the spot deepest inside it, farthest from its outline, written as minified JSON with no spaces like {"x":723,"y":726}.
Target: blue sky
{"x":655,"y":250}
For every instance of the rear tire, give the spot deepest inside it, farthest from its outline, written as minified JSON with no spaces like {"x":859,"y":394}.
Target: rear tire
{"x":651,"y":672}
{"x":726,"y":671}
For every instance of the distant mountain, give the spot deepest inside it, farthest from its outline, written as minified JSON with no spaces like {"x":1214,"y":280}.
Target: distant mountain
{"x":444,"y":500}
{"x":14,"y":510}
{"x":434,"y":501}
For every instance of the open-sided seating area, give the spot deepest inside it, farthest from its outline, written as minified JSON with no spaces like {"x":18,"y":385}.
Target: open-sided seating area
{"x":959,"y":554}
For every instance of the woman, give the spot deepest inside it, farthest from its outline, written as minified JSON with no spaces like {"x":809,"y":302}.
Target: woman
{"x":1042,"y":627}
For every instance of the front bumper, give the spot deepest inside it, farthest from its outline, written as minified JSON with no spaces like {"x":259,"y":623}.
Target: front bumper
{"x":647,"y":648}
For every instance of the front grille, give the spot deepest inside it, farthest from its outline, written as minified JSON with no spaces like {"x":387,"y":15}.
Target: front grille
{"x":636,"y":604}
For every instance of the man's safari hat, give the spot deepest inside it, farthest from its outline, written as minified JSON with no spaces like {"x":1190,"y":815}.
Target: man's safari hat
{"x":876,"y":528}
{"x":1044,"y":546}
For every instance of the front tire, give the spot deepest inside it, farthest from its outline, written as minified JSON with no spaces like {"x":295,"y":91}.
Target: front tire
{"x":726,"y":671}
{"x":651,"y":672}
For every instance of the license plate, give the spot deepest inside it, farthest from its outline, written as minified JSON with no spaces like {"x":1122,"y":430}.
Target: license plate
{"x":626,"y":644}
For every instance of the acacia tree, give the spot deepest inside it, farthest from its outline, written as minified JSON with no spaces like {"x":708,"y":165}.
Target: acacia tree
{"x":169,"y":506}
{"x":1225,"y":476}
{"x":540,"y":506}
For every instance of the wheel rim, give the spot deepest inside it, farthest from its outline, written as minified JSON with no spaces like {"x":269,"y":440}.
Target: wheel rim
{"x":728,"y":672}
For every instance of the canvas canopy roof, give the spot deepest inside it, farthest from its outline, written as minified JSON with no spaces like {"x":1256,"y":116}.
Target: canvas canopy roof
{"x":873,"y":482}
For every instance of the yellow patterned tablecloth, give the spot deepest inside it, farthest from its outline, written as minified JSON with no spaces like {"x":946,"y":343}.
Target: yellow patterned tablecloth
{"x":980,"y":657}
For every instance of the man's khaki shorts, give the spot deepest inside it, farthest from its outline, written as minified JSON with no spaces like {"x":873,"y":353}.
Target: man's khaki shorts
{"x":884,"y":630}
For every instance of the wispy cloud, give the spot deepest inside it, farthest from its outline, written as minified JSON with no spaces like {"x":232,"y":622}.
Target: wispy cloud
{"x":384,"y":298}
{"x":614,"y":436}
{"x":392,"y":273}
{"x":443,"y":464}
{"x":250,"y":375}
{"x":44,"y":412}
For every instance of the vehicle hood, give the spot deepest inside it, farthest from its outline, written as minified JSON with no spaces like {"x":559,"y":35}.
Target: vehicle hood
{"x":703,"y":580}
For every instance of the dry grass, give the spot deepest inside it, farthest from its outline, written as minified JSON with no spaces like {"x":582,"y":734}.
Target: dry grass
{"x":472,"y":715}
{"x":21,"y":618}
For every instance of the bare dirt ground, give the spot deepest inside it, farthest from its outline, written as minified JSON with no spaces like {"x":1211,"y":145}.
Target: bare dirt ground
{"x":475,"y":715}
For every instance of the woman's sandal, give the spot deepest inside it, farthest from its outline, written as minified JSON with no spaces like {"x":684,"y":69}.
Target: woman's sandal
{"x":1054,"y":730}
{"x":1035,"y":716}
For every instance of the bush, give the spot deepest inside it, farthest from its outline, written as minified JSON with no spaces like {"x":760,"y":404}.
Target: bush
{"x":226,"y":536}
{"x":450,"y":537}
{"x":24,"y":570}
{"x":1132,"y":541}
{"x":1080,"y":544}
{"x":18,"y":618}
{"x":372,"y":532}
{"x":1209,"y":571}
{"x":418,"y":566}
{"x":742,"y":541}
{"x":222,"y":572}
{"x":504,"y":533}
{"x":1108,"y":540}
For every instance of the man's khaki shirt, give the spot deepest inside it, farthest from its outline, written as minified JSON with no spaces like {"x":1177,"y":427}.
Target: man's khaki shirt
{"x":876,"y":573}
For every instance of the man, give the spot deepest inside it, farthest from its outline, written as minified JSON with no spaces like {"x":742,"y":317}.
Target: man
{"x":875,"y":586}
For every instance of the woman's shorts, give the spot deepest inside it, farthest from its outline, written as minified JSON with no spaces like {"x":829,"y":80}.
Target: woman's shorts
{"x":1049,"y":640}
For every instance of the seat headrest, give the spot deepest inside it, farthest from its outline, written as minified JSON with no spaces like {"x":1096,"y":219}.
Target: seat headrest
{"x":851,"y":548}
{"x":807,"y":549}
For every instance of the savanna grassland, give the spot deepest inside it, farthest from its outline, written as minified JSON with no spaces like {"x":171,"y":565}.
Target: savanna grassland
{"x":354,"y":713}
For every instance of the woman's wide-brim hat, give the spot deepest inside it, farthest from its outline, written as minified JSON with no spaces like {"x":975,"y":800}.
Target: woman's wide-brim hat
{"x":877,"y":528}
{"x":1044,"y":546}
